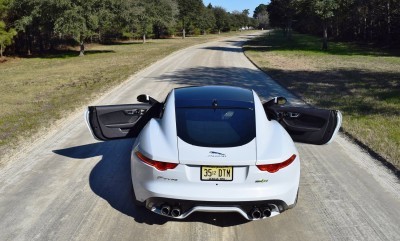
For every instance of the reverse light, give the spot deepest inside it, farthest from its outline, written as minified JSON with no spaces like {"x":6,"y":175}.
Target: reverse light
{"x":161,"y":166}
{"x":272,"y":168}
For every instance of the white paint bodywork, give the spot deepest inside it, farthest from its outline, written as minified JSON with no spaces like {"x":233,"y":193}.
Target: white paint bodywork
{"x":159,"y":141}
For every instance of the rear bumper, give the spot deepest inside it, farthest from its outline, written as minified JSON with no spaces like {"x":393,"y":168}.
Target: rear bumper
{"x":177,"y":189}
{"x":267,"y":209}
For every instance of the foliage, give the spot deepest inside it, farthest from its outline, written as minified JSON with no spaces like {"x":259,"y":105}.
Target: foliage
{"x":80,"y":21}
{"x":262,"y":16}
{"x":221,"y":18}
{"x":43,"y":25}
{"x":206,"y":20}
{"x":373,"y":21}
{"x":6,"y":37}
{"x":189,"y":10}
{"x":239,"y":19}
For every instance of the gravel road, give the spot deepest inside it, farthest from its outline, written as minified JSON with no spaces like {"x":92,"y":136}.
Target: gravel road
{"x":67,"y":186}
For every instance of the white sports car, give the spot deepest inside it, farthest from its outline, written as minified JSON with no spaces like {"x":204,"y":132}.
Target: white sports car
{"x":214,"y":149}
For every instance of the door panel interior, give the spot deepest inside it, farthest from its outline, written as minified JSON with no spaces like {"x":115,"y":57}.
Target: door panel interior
{"x":307,"y":125}
{"x":119,"y":121}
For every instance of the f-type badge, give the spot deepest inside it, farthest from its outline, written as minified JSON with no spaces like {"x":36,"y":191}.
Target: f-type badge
{"x":216,"y":154}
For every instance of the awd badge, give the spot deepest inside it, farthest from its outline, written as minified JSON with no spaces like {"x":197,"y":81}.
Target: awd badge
{"x":262,"y":181}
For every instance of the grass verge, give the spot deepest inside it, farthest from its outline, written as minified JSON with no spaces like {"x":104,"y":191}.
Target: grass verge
{"x":38,"y":90}
{"x":362,"y":82}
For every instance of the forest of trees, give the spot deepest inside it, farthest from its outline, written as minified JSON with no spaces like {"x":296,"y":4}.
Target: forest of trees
{"x":372,"y":21}
{"x":36,"y":26}
{"x":29,"y":26}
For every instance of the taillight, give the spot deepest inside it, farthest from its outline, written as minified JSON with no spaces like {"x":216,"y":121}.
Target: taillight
{"x":277,"y":166}
{"x":161,"y":166}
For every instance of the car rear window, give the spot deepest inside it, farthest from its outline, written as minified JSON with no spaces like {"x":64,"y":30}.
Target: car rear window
{"x":215,"y":127}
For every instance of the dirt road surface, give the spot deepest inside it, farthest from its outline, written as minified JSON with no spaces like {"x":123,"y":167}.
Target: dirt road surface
{"x":67,"y":186}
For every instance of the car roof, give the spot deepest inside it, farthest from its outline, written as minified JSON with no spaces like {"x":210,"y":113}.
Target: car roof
{"x":227,"y":96}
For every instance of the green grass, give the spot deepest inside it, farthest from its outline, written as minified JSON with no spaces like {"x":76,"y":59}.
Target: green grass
{"x":38,"y":90}
{"x":361,"y":81}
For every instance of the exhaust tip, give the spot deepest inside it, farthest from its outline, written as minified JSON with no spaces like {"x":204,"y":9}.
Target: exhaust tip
{"x":256,"y":213}
{"x":267,"y":212}
{"x":176,"y":212}
{"x":165,"y":209}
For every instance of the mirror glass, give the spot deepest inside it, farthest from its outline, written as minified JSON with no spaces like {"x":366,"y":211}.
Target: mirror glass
{"x":143,"y":98}
{"x":281,"y":100}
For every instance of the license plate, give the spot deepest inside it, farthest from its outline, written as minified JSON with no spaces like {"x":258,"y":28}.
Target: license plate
{"x":210,"y":173}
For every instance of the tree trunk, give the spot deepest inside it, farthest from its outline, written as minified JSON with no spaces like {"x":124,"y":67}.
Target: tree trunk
{"x":365,"y":29}
{"x":82,"y":45}
{"x":219,"y":31}
{"x":389,"y":22}
{"x":325,"y":37}
{"x":82,"y":49}
{"x":1,"y":51}
{"x":41,"y":44}
{"x":144,"y":38}
{"x":29,"y":45}
{"x":183,"y":29}
{"x":289,"y":29}
{"x":337,"y":27}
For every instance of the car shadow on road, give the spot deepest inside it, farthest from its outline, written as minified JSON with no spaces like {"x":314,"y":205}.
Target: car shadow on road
{"x":110,"y":179}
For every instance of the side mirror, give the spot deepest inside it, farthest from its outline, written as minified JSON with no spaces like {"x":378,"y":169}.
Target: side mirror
{"x":143,"y":98}
{"x":146,"y":99}
{"x":276,"y":101}
{"x":280,"y":100}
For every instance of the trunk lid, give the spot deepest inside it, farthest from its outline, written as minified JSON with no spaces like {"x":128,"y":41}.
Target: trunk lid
{"x":244,"y":155}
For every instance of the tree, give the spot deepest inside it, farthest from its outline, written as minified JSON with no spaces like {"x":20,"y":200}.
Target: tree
{"x":263,"y":20}
{"x":221,"y":18}
{"x":110,"y":16}
{"x":281,"y":14}
{"x":145,"y":18}
{"x":188,"y":12}
{"x":262,"y":17}
{"x":4,"y":5}
{"x":79,"y":21}
{"x":165,"y":12}
{"x":206,"y":20}
{"x":260,"y":9}
{"x":325,"y":10}
{"x":6,"y":37}
{"x":24,"y":14}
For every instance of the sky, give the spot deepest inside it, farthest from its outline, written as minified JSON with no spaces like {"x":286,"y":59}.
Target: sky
{"x":240,"y":5}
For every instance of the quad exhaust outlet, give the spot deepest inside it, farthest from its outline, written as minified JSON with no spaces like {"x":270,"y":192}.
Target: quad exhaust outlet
{"x":256,"y":213}
{"x":176,"y":212}
{"x":266,"y":212}
{"x":165,"y":209}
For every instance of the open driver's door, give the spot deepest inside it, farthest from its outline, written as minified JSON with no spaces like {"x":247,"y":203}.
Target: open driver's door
{"x":112,"y":122}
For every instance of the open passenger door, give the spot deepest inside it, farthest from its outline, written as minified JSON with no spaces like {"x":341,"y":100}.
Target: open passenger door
{"x":112,"y":122}
{"x":307,"y":125}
